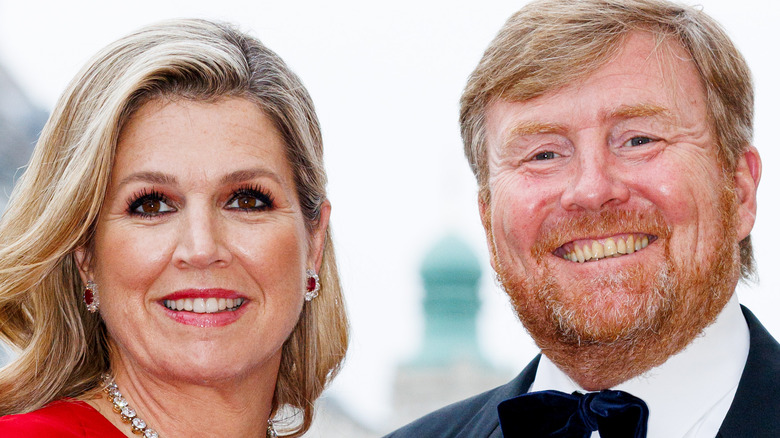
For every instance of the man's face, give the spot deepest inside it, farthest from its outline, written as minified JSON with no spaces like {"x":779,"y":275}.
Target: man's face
{"x":610,"y":216}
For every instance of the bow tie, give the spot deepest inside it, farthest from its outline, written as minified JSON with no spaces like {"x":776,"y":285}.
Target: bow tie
{"x":615,"y":414}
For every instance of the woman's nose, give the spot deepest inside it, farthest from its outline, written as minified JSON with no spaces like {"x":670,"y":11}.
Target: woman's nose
{"x":201,"y":242}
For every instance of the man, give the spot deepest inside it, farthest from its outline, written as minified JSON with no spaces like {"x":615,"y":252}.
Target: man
{"x":611,"y":141}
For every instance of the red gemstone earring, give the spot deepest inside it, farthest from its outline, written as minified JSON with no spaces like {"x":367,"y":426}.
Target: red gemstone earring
{"x":91,"y":298}
{"x":312,"y":285}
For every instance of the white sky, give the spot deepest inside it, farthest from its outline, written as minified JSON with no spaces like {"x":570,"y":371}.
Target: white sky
{"x":386,"y":78}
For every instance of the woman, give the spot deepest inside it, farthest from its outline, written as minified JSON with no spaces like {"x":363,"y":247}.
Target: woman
{"x":165,"y":249}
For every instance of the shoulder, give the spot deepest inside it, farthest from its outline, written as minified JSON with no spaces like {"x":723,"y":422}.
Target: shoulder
{"x":473,"y":417}
{"x":62,"y":418}
{"x":753,"y":412}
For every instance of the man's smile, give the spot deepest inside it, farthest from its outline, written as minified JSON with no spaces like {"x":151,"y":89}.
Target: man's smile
{"x":586,"y":250}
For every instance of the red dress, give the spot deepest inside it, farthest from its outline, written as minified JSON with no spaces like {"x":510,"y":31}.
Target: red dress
{"x":66,"y":418}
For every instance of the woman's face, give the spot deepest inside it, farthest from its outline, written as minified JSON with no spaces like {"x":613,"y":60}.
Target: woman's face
{"x":201,"y":248}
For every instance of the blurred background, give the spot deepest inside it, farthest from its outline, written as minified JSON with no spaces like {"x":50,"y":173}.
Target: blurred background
{"x":429,"y":326}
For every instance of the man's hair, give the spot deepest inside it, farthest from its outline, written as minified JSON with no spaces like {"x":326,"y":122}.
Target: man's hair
{"x":551,"y":43}
{"x":55,"y":206}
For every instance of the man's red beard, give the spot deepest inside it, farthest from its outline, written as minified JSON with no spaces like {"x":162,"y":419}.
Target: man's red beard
{"x":602,"y":331}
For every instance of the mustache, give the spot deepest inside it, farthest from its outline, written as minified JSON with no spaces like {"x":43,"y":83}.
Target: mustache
{"x":605,"y":222}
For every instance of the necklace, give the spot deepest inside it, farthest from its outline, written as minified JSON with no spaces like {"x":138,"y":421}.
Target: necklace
{"x":129,"y":416}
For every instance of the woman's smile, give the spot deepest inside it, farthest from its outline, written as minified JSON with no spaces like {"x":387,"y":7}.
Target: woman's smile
{"x":201,"y":229}
{"x":213,"y":307}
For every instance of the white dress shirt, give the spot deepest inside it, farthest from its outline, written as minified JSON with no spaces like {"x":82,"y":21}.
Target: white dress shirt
{"x":689,"y":395}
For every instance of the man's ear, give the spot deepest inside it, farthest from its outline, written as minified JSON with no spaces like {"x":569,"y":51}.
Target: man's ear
{"x":487,"y":224}
{"x":319,"y":234}
{"x":746,"y":177}
{"x":83,"y":260}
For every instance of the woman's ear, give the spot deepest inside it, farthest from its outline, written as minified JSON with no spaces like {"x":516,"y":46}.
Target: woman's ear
{"x":83,"y":260}
{"x":319,"y":234}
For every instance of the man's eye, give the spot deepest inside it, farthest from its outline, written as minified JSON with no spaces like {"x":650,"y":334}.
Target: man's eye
{"x":638,"y":141}
{"x":547,"y":155}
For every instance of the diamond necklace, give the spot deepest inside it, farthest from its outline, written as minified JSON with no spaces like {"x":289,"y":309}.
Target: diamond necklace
{"x":137,"y":425}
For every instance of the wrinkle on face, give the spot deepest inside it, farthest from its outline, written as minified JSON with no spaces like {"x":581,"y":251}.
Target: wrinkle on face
{"x":670,"y":186}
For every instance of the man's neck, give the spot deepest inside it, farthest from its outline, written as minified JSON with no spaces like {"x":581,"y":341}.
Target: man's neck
{"x":681,"y":394}
{"x":601,"y":366}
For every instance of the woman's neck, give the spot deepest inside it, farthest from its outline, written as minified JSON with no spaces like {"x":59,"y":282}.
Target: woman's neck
{"x":236,"y":407}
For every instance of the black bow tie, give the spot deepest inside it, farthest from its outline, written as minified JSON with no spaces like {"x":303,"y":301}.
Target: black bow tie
{"x":615,"y":414}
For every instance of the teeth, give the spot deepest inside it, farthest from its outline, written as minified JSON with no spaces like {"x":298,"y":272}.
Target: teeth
{"x":587,"y":255}
{"x":612,"y":247}
{"x":204,"y":305}
{"x":598,"y":251}
{"x":212,"y":305}
{"x":579,"y":254}
{"x":621,"y":246}
{"x":199,"y":305}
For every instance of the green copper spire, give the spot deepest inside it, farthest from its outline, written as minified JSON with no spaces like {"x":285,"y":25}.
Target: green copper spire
{"x":450,"y":273}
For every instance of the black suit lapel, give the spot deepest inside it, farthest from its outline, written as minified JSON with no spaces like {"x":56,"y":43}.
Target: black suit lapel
{"x":754,"y":412}
{"x":485,"y":423}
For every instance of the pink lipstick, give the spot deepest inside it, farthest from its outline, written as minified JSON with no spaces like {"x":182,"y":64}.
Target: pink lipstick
{"x":204,"y":307}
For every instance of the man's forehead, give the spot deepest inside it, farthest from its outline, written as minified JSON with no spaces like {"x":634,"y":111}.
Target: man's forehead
{"x":648,"y":77}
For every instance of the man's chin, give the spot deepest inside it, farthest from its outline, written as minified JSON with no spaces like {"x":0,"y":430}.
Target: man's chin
{"x":617,"y":323}
{"x":626,"y":324}
{"x":616,"y":308}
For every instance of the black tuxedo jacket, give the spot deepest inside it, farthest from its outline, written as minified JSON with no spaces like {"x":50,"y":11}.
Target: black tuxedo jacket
{"x":754,"y":413}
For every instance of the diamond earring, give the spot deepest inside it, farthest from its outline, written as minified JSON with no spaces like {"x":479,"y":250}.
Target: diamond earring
{"x":91,"y":298}
{"x":312,"y":285}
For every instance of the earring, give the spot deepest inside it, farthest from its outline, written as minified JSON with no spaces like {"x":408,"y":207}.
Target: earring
{"x":91,"y":298}
{"x":271,"y":431}
{"x":312,"y":285}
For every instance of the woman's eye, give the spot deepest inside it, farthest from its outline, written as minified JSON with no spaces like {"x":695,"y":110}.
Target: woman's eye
{"x":249,"y":200}
{"x":246,"y":202}
{"x":150,"y":205}
{"x":638,"y":141}
{"x":546,"y":155}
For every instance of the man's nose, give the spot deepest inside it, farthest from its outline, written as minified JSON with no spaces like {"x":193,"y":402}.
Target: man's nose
{"x":595,"y":181}
{"x":201,"y":242}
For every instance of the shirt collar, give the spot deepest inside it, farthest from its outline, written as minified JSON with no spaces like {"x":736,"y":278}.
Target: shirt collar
{"x":690,"y":385}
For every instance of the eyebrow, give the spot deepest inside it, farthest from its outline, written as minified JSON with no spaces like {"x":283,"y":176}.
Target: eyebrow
{"x":639,"y":110}
{"x":236,"y":177}
{"x":240,"y":176}
{"x":525,"y":128}
{"x":531,"y":128}
{"x":151,"y":177}
{"x":623,"y":112}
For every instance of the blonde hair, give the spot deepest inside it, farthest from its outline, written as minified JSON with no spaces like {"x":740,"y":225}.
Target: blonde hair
{"x":53,"y":209}
{"x":551,"y":43}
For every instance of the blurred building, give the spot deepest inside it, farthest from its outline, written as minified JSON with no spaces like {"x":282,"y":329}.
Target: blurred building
{"x":450,"y":366}
{"x":20,"y":124}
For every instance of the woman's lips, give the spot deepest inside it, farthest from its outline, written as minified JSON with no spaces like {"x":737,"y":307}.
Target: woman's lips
{"x":203,"y":293}
{"x":204,"y":307}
